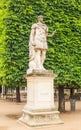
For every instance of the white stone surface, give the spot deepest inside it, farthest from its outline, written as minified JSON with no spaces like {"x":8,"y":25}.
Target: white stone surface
{"x":40,"y":93}
{"x":40,"y":108}
{"x":38,"y":45}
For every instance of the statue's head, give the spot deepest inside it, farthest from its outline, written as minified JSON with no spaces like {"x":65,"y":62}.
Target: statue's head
{"x":40,"y":18}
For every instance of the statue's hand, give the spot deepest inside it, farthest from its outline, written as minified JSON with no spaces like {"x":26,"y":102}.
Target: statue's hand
{"x":54,"y":32}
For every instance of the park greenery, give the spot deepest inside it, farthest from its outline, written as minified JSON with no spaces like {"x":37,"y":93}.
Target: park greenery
{"x":64,"y":53}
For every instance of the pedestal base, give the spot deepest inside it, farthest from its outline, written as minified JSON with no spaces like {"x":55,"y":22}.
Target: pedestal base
{"x":40,"y":118}
{"x":40,"y":108}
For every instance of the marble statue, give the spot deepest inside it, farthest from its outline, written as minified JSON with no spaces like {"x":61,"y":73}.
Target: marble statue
{"x":38,"y":45}
{"x":40,"y":108}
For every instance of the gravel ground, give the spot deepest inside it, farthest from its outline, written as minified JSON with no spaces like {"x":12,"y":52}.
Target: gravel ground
{"x":11,"y":111}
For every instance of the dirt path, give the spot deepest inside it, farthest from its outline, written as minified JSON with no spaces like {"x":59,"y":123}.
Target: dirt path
{"x":10,"y":113}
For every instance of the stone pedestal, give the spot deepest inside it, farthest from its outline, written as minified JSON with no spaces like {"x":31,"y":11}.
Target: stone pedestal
{"x":40,"y":108}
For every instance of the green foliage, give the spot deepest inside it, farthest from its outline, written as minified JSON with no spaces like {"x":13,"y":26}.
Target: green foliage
{"x":64,"y":53}
{"x":3,"y":14}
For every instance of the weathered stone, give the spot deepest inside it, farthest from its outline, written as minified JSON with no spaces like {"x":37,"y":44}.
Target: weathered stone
{"x":40,"y":108}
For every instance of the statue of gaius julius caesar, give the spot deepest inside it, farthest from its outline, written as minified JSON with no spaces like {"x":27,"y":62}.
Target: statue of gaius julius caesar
{"x":38,"y":45}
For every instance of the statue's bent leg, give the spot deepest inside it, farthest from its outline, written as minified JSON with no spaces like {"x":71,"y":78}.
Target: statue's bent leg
{"x":43,"y":56}
{"x":38,"y":59}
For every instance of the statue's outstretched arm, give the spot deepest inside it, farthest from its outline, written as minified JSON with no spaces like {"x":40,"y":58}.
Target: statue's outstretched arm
{"x":51,"y":35}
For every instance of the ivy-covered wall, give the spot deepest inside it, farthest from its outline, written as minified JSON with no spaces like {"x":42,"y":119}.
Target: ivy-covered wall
{"x":64,"y":53}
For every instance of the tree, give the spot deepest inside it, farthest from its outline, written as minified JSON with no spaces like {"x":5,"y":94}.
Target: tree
{"x":64,"y":53}
{"x":15,"y":49}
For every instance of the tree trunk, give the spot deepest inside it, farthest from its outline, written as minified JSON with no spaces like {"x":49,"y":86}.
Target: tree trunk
{"x":5,"y":90}
{"x":0,"y":91}
{"x":71,"y":93}
{"x":61,"y":103}
{"x":72,"y":100}
{"x":18,"y":94}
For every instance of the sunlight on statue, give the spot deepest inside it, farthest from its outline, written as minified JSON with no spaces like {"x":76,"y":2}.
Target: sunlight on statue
{"x":38,"y":45}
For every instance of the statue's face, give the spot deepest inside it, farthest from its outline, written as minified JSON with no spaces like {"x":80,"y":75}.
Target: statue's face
{"x":40,"y":18}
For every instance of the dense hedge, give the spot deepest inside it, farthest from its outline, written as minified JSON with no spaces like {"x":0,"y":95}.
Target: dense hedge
{"x":3,"y":14}
{"x":64,"y":53}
